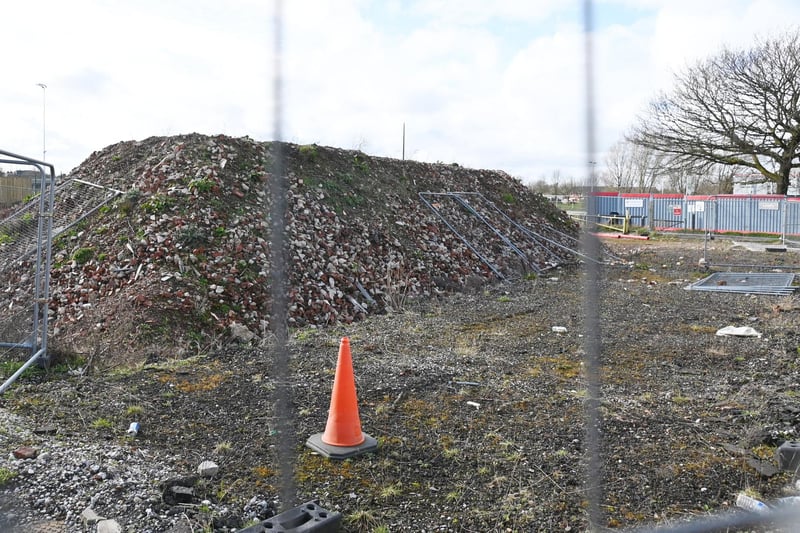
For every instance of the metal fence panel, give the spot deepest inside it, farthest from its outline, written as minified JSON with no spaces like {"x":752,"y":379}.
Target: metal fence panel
{"x":773,"y":214}
{"x":667,"y":212}
{"x":637,"y":206}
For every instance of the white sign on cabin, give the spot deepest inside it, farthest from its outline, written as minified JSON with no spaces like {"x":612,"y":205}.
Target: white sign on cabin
{"x":696,"y":207}
{"x":634,"y":202}
{"x":769,"y":206}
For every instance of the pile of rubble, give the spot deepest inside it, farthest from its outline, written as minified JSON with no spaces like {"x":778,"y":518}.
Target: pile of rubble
{"x":183,"y":253}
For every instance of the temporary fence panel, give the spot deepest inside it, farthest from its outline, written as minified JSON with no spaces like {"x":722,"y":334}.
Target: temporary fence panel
{"x":749,"y":214}
{"x":26,"y":237}
{"x":667,"y":212}
{"x":791,"y":218}
{"x":773,"y":214}
{"x":636,"y":206}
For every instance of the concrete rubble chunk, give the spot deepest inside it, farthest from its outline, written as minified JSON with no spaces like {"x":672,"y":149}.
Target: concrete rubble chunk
{"x":90,"y":517}
{"x":207,"y":469}
{"x":177,"y":494}
{"x":241,"y":333}
{"x":108,"y":526}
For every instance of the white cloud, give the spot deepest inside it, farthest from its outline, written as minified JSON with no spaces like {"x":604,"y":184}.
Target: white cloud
{"x":486,"y":84}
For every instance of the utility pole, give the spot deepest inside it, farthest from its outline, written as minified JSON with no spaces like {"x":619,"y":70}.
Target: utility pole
{"x":44,"y":122}
{"x":404,"y":141}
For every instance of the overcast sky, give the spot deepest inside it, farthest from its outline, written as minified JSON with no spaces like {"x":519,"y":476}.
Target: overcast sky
{"x":487,"y":84}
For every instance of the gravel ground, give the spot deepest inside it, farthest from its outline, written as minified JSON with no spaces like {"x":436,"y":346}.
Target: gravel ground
{"x":476,"y":402}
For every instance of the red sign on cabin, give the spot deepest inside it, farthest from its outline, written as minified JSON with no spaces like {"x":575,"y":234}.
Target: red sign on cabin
{"x":676,"y":210}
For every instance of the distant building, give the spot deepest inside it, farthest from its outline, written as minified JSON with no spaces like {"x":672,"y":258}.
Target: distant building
{"x":26,"y":173}
{"x":745,"y":185}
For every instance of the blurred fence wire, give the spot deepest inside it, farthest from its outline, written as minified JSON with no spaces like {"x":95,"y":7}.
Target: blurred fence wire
{"x":773,"y":518}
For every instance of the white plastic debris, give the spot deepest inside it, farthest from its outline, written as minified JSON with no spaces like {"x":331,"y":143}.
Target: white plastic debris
{"x":108,"y":526}
{"x":559,"y":329}
{"x":787,"y":500}
{"x":133,"y":429}
{"x":748,"y":503}
{"x":476,"y":405}
{"x":733,"y":331}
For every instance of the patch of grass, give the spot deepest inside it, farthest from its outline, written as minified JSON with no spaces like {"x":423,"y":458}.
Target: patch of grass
{"x":192,"y":237}
{"x":264,"y":472}
{"x":305,"y":334}
{"x":679,"y":399}
{"x":83,"y":255}
{"x":158,"y":203}
{"x":451,"y":453}
{"x":223,"y":447}
{"x":311,"y":467}
{"x":7,"y":368}
{"x":202,"y":185}
{"x":563,"y":367}
{"x":6,"y":476}
{"x":362,"y":520}
{"x":453,"y":496}
{"x":360,"y":164}
{"x":390,"y":491}
{"x":308,"y":151}
{"x":205,"y":383}
{"x":134,"y":410}
{"x":102,"y":423}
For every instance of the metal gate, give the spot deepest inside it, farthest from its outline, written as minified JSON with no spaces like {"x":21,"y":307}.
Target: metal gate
{"x":26,"y":237}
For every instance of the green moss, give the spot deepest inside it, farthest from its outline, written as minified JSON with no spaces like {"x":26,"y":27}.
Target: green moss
{"x":83,"y":255}
{"x":308,"y":152}
{"x":6,"y":476}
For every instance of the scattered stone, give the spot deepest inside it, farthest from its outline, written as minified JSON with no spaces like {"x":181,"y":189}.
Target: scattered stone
{"x":108,"y":526}
{"x":241,"y":333}
{"x":49,"y":429}
{"x":178,"y":494}
{"x":26,"y":452}
{"x":44,"y":457}
{"x":90,"y":517}
{"x":736,"y":450}
{"x":765,"y":468}
{"x":208,"y":469}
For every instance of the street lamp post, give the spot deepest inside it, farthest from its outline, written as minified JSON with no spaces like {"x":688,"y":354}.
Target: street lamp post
{"x":44,"y":123}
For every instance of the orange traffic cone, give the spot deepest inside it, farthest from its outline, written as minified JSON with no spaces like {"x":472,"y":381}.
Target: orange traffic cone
{"x":343,"y":437}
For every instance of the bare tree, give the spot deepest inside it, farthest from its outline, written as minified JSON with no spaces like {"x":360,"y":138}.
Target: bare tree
{"x":631,"y":167}
{"x":683,"y":180}
{"x":617,"y":174}
{"x":541,"y":186}
{"x":721,"y":179}
{"x":739,"y":108}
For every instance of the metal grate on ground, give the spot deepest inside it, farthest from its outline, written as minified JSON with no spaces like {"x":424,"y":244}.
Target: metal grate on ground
{"x":771,"y":283}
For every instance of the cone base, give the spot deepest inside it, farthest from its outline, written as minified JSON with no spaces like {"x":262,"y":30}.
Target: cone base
{"x":330,"y":451}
